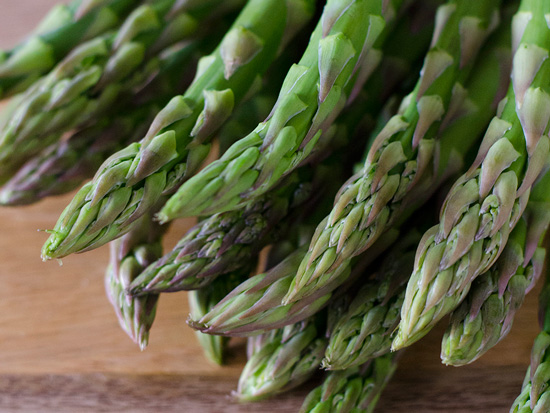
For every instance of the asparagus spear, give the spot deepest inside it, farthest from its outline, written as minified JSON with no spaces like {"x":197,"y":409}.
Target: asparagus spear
{"x":342,"y":52}
{"x":65,"y":27}
{"x":133,"y":179}
{"x":255,"y":305}
{"x":129,"y":255}
{"x":353,"y":390}
{"x":280,"y":360}
{"x":534,"y":396}
{"x":486,"y":203}
{"x":364,"y":328}
{"x":92,"y":79}
{"x":349,"y":229}
{"x":224,"y":242}
{"x":485,"y":317}
{"x":64,"y":165}
{"x":203,"y":299}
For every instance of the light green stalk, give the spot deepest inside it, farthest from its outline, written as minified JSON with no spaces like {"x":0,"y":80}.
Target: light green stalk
{"x":255,"y":305}
{"x":129,"y":255}
{"x":360,"y":216}
{"x":92,"y":79}
{"x":364,"y":328}
{"x":342,"y":52}
{"x":486,"y":315}
{"x":64,"y":165}
{"x":353,"y":390}
{"x":280,"y":360}
{"x":535,"y":394}
{"x":132,"y":180}
{"x":204,"y":299}
{"x":224,"y":242}
{"x":486,"y":203}
{"x":63,"y":28}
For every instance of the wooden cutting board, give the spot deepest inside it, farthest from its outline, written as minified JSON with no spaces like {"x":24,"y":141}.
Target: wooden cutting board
{"x":61,"y":349}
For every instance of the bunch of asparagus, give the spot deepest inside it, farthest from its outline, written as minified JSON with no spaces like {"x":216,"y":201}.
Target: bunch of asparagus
{"x":322,"y":265}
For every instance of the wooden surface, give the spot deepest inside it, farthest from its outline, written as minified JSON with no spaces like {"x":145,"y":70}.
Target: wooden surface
{"x":61,"y":349}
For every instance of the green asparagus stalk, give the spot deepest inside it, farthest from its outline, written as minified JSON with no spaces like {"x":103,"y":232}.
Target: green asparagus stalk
{"x":129,"y":255}
{"x":224,"y":242}
{"x":63,"y":166}
{"x":359,"y":217}
{"x":280,"y":360}
{"x":342,"y":52}
{"x":255,"y":305}
{"x":534,"y":396}
{"x":133,"y":179}
{"x":486,"y":315}
{"x":65,"y":27}
{"x":364,"y":328}
{"x":353,"y":390}
{"x":92,"y":79}
{"x":203,"y":299}
{"x":486,"y":203}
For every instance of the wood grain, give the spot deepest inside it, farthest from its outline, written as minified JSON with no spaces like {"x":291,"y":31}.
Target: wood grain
{"x":61,"y":349}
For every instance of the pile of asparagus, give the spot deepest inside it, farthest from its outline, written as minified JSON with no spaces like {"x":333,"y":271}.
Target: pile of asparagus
{"x":445,"y":213}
